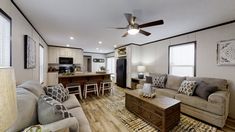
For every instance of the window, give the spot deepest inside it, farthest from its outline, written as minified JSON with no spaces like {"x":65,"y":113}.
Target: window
{"x":182,"y":59}
{"x":41,"y":52}
{"x":111,"y":65}
{"x":5,"y":40}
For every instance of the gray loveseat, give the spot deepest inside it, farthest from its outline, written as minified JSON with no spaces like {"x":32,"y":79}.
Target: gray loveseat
{"x":214,"y":110}
{"x":27,"y":96}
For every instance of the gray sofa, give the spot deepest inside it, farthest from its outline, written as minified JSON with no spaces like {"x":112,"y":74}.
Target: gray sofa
{"x":214,"y":110}
{"x":27,"y":96}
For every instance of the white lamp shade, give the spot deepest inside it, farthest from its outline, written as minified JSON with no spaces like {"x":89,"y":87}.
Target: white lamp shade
{"x":8,"y":106}
{"x":141,"y":68}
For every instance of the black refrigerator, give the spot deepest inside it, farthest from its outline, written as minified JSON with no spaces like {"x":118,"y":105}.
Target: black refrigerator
{"x":121,"y":73}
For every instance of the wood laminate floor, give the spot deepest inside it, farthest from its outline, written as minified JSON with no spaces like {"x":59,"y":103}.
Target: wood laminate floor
{"x":101,"y":120}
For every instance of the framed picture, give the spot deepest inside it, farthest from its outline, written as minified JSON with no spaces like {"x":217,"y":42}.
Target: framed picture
{"x":29,"y":52}
{"x":96,"y":60}
{"x":226,"y":52}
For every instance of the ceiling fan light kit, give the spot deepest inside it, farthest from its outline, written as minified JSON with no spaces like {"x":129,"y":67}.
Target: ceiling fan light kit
{"x":133,"y":28}
{"x":133,"y":31}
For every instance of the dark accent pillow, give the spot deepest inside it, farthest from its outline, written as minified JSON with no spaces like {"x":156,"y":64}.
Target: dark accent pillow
{"x":203,"y":90}
{"x":58,"y":92}
{"x":149,"y":79}
{"x":50,"y":110}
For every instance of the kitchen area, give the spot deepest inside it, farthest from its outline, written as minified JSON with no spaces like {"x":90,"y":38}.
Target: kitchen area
{"x":66,"y":65}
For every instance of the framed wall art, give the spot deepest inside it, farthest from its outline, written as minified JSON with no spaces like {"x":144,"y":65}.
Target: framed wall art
{"x":29,"y":52}
{"x":226,"y":52}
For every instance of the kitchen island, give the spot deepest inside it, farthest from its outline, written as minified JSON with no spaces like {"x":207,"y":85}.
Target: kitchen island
{"x":82,"y":78}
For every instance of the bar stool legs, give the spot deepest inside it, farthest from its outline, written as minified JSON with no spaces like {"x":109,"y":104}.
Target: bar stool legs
{"x":74,"y":88}
{"x":106,"y":86}
{"x":93,"y":89}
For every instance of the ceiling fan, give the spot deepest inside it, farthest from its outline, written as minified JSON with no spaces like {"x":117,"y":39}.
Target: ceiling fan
{"x":134,"y":28}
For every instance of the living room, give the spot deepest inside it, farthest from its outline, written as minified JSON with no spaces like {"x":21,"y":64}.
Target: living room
{"x":83,"y":44}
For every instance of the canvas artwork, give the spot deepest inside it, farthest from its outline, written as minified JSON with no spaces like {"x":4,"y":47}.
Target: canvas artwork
{"x":226,"y":52}
{"x":30,"y":53}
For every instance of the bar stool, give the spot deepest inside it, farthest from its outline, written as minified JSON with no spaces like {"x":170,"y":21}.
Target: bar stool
{"x":106,"y":85}
{"x":90,"y":87}
{"x":74,"y":88}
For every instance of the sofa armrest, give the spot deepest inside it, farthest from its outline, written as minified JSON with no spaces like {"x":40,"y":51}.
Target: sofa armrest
{"x":70,"y":123}
{"x":218,"y":97}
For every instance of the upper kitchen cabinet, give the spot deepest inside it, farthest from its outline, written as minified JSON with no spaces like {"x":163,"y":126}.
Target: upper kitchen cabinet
{"x":66,"y":52}
{"x":78,"y":57}
{"x":55,"y":52}
{"x":53,"y":55}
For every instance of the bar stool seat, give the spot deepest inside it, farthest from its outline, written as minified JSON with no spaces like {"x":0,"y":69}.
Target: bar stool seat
{"x":106,"y":85}
{"x":74,"y":88}
{"x":89,"y":87}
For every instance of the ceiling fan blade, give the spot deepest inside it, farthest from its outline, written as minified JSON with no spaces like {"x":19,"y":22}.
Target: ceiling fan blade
{"x":133,"y":19}
{"x":129,"y":18}
{"x":125,"y":34}
{"x":144,"y":32}
{"x":155,"y":23}
{"x":120,"y":27}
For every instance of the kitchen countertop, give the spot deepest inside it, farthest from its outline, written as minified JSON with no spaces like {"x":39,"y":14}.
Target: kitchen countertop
{"x":82,"y":74}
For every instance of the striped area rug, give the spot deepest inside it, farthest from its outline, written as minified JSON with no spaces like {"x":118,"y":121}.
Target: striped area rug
{"x":116,"y":105}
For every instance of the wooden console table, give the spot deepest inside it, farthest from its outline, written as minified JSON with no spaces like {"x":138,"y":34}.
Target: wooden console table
{"x":161,"y":112}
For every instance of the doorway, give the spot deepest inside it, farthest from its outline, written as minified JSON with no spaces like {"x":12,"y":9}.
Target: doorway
{"x":87,"y":63}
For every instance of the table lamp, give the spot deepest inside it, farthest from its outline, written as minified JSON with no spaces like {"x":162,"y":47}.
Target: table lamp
{"x":8,"y":106}
{"x":141,"y":70}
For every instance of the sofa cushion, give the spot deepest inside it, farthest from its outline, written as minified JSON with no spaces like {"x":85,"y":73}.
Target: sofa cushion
{"x":50,"y":110}
{"x":33,"y":86}
{"x":72,"y":102}
{"x":203,"y":90}
{"x":27,"y":110}
{"x":187,"y":87}
{"x":84,"y":125}
{"x":199,"y":103}
{"x":174,"y":82}
{"x":222,"y":84}
{"x":166,"y":92}
{"x":159,"y":80}
{"x":58,"y":92}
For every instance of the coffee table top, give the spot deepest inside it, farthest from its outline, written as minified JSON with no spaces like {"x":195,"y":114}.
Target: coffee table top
{"x":160,"y":101}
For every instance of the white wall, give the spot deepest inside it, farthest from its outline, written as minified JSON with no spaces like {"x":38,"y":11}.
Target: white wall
{"x":112,"y":54}
{"x":155,"y":56}
{"x":96,"y":66}
{"x":21,"y":27}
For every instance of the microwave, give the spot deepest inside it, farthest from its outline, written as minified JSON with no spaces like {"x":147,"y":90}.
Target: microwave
{"x":65,"y":60}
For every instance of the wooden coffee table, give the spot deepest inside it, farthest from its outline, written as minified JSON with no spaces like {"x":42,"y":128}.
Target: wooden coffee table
{"x":161,"y":112}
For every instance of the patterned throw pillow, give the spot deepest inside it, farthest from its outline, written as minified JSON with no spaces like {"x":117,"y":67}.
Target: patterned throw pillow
{"x":58,"y":92}
{"x":50,"y":110}
{"x":34,"y":128}
{"x":187,"y":87}
{"x":159,"y":81}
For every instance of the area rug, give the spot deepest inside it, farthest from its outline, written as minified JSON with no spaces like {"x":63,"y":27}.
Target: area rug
{"x":116,"y":105}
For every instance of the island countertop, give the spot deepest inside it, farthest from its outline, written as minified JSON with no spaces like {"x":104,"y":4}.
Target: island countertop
{"x":85,"y":74}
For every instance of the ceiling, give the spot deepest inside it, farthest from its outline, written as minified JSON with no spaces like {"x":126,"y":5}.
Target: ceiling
{"x":88,"y":21}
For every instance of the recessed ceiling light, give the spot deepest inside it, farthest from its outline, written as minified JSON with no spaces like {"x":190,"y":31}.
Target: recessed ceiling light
{"x":68,"y":45}
{"x":72,"y":38}
{"x":115,"y":46}
{"x":100,"y":42}
{"x":97,"y":48}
